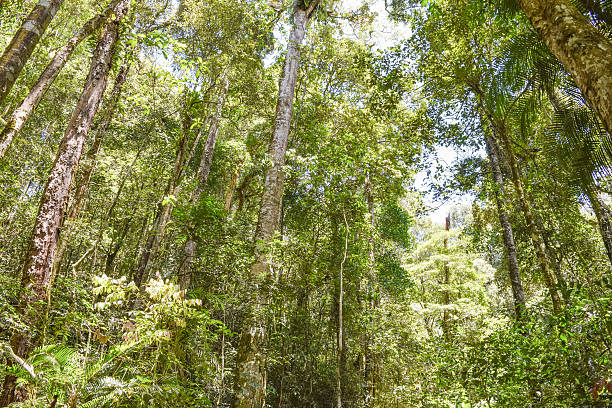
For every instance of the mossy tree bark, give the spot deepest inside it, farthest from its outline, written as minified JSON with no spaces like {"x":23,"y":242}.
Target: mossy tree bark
{"x":584,"y":51}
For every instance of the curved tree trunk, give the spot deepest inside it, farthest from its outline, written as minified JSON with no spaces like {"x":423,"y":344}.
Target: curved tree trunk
{"x":446,"y":329}
{"x":19,"y":50}
{"x":164,"y":210}
{"x":20,"y":115}
{"x":508,"y":235}
{"x":37,"y":271}
{"x":580,"y":47}
{"x":250,"y":379}
{"x":340,"y":339}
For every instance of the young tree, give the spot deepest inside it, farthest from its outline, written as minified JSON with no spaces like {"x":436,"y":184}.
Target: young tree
{"x":202,"y":177}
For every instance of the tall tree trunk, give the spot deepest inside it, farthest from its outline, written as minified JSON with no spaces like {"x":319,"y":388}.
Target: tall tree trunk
{"x":552,"y":254}
{"x":23,"y":43}
{"x":82,"y":185}
{"x":508,"y":235}
{"x":185,"y":272}
{"x":536,"y":238}
{"x":581,"y":48}
{"x":250,"y":382}
{"x":604,"y":218}
{"x":37,"y":276}
{"x":20,"y":115}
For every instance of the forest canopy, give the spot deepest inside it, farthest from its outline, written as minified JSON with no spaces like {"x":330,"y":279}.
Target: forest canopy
{"x":305,"y":203}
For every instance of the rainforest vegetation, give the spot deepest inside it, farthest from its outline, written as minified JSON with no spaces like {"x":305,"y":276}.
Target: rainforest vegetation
{"x":305,"y":203}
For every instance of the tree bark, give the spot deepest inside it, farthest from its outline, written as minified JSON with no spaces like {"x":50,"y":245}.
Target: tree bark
{"x":20,"y":115}
{"x":156,"y":233}
{"x":37,"y":270}
{"x":185,"y":272}
{"x":508,"y":235}
{"x":229,"y":193}
{"x":211,"y":141}
{"x":580,"y":47}
{"x":23,"y":43}
{"x":250,"y":380}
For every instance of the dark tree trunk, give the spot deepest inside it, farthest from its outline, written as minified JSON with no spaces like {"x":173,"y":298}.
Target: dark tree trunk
{"x":37,"y":271}
{"x":369,"y":359}
{"x":250,"y":379}
{"x":508,"y":235}
{"x":20,"y":115}
{"x":19,"y":50}
{"x":446,"y":291}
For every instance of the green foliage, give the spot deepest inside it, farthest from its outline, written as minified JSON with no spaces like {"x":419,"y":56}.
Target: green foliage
{"x":428,"y":314}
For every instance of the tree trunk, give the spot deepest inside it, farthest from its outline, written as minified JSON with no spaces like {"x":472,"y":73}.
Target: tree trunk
{"x":508,"y":235}
{"x":185,"y":273}
{"x":37,"y":276}
{"x":23,"y":43}
{"x":581,"y":48}
{"x":88,"y":167}
{"x":164,"y":209}
{"x":20,"y":115}
{"x":250,"y":383}
{"x":536,"y":238}
{"x":604,"y":218}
